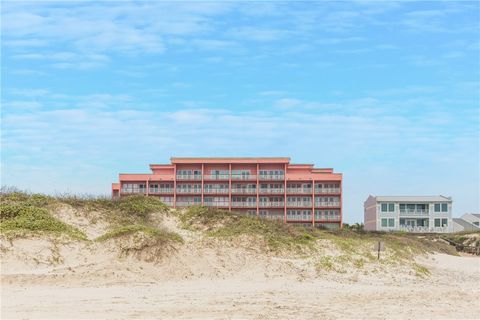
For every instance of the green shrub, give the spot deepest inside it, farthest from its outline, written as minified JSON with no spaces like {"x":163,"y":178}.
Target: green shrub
{"x":150,"y":231}
{"x":18,"y":219}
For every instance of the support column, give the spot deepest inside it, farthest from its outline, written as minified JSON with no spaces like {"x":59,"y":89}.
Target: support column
{"x":202,"y":182}
{"x":229,"y":187}
{"x":341,"y":206}
{"x":147,"y":186}
{"x":313,"y":202}
{"x":175,"y":185}
{"x":258,"y":187}
{"x":285,"y":194}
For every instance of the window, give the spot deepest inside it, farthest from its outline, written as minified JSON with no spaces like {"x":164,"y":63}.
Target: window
{"x":444,"y":207}
{"x":437,"y":207}
{"x":437,"y":222}
{"x":384,"y":207}
{"x":444,"y":222}
{"x":391,"y":207}
{"x":384,"y":223}
{"x":391,"y":223}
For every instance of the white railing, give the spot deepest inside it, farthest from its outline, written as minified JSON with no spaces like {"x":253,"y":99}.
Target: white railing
{"x":243,"y":191}
{"x":189,"y":191}
{"x":247,"y":177}
{"x":189,"y":177}
{"x":272,"y":191}
{"x":244,"y":204}
{"x":272,"y":216}
{"x":327,"y":204}
{"x":299,"y":217}
{"x":271,"y":204}
{"x":299,"y":191}
{"x":327,"y":218}
{"x":271,"y":177}
{"x":216,"y":177}
{"x":134,"y":191}
{"x":216,"y":204}
{"x":161,"y":190}
{"x":327,"y":190}
{"x":215,"y":191}
{"x":422,"y":229}
{"x":410,"y":212}
{"x":187,"y":203}
{"x":299,"y":204}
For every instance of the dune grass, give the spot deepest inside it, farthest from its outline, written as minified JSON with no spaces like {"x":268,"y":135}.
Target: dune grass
{"x":149,"y":231}
{"x":19,"y":219}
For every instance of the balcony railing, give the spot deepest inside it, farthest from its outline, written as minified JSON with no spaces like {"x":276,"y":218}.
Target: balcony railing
{"x":215,"y":191}
{"x":272,"y":190}
{"x":161,"y":190}
{"x":414,"y":212}
{"x":216,"y":177}
{"x":299,"y":217}
{"x":271,"y":177}
{"x":187,"y":203}
{"x":327,"y":190}
{"x":244,"y":191}
{"x":327,"y":218}
{"x":327,"y":204}
{"x":244,"y":204}
{"x":134,"y":191}
{"x":271,"y":204}
{"x":189,"y":177}
{"x":422,"y":229}
{"x":244,"y":177}
{"x":189,"y":191}
{"x":299,"y":204}
{"x":272,"y":216}
{"x":299,"y":191}
{"x":216,"y":204}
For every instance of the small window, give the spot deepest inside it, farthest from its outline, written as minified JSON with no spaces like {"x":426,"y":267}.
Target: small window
{"x":391,"y":207}
{"x":444,"y":207}
{"x":384,"y":223}
{"x":391,"y":223}
{"x":437,"y":222}
{"x":437,"y":207}
{"x":384,"y":207}
{"x":444,"y":222}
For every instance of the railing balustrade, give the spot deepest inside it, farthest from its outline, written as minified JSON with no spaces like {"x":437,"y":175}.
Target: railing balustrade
{"x":271,"y":204}
{"x":327,"y":190}
{"x":189,"y":191}
{"x":215,"y":191}
{"x":272,"y":190}
{"x":216,"y":204}
{"x":299,"y":191}
{"x":244,"y":204}
{"x":189,"y":177}
{"x":299,"y":204}
{"x":216,"y":177}
{"x":244,"y":190}
{"x":271,"y":177}
{"x":327,"y":204}
{"x":245,"y":177}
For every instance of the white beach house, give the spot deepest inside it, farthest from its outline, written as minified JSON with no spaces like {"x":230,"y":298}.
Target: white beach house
{"x":408,"y":213}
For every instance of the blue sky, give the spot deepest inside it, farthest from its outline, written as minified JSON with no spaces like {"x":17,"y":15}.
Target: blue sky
{"x":385,"y":92}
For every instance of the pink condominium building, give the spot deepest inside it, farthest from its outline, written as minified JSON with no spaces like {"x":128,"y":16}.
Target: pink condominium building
{"x":271,"y":188}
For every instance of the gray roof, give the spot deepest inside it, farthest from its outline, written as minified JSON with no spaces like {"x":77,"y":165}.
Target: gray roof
{"x":476,"y":215}
{"x":465,"y":224}
{"x":414,"y":198}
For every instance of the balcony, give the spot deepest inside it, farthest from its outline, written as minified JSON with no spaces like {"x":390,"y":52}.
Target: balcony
{"x":327,"y":218}
{"x":244,"y":177}
{"x":414,"y":212}
{"x":271,"y":204}
{"x":187,"y":203}
{"x":191,"y":177}
{"x":215,"y":191}
{"x":423,"y":229}
{"x":216,"y":204}
{"x":271,"y":190}
{"x":134,"y":191}
{"x":299,"y":191}
{"x":299,"y":204}
{"x":160,"y":191}
{"x":302,"y":217}
{"x":244,"y":204}
{"x":244,"y":191}
{"x":327,"y":204}
{"x":189,"y":191}
{"x":271,"y":177}
{"x":216,"y":177}
{"x":327,"y":190}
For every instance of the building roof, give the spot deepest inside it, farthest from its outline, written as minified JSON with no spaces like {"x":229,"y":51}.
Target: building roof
{"x":413,"y":198}
{"x":232,"y":160}
{"x":465,"y":224}
{"x":476,"y":215}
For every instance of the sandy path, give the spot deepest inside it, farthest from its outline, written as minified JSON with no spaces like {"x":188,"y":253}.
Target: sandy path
{"x":452,"y":292}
